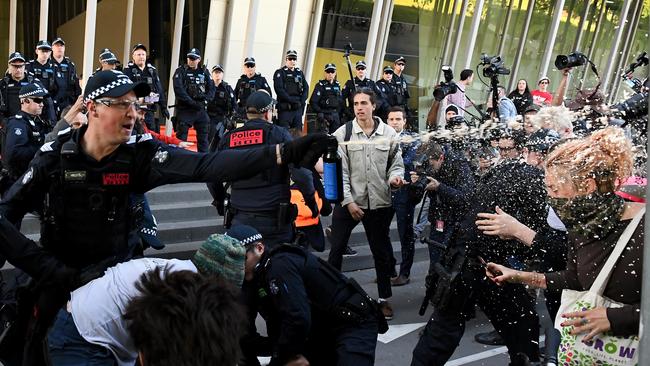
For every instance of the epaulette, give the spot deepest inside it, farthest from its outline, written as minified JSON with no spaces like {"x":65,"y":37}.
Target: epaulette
{"x":258,"y":74}
{"x":130,"y":64}
{"x":18,"y":116}
{"x":64,"y":131}
{"x":139,"y":138}
{"x":151,"y":66}
{"x":47,"y":146}
{"x":297,"y":69}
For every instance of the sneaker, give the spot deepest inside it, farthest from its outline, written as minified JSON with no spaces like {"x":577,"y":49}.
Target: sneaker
{"x":490,"y":338}
{"x":400,"y":280}
{"x":349,"y":252}
{"x":386,"y":310}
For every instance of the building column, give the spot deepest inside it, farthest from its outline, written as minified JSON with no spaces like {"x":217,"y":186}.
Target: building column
{"x":127,"y":33}
{"x":459,"y":34}
{"x":522,"y":44}
{"x":218,"y":33}
{"x":43,"y":17}
{"x":382,"y":39}
{"x":373,"y":34}
{"x":176,"y":53}
{"x":581,"y":27}
{"x":609,"y":68}
{"x":445,"y":52}
{"x":13,"y":12}
{"x":253,"y":9}
{"x":316,"y":16}
{"x":555,"y":25}
{"x":625,"y":54}
{"x":288,"y":33}
{"x":502,"y":42}
{"x":592,"y":46}
{"x":476,"y":21}
{"x":89,"y":39}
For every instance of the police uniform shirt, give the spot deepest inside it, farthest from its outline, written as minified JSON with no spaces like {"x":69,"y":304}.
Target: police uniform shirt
{"x":326,"y":97}
{"x":193,"y":87}
{"x":387,"y":93}
{"x":24,"y":136}
{"x":350,"y":87}
{"x":290,"y":85}
{"x":65,"y":76}
{"x":83,"y":240}
{"x":223,"y":103}
{"x":148,"y":75}
{"x":9,"y":90}
{"x":266,"y":190}
{"x":45,"y":73}
{"x":246,"y":86}
{"x":401,"y":89}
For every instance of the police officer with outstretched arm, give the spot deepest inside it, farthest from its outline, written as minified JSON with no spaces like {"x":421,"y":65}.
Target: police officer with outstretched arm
{"x":140,"y":70}
{"x":250,"y":82}
{"x":264,"y":199}
{"x":80,"y":183}
{"x":25,"y":134}
{"x":314,"y":314}
{"x":292,"y":91}
{"x":65,"y":76}
{"x":193,"y":88}
{"x":326,"y":99}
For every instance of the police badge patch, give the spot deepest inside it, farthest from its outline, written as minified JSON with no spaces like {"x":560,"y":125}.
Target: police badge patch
{"x":273,"y":287}
{"x":161,"y":156}
{"x":18,"y":132}
{"x":28,"y":175}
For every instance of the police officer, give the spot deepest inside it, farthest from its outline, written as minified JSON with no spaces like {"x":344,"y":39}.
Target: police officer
{"x":250,"y":82}
{"x":388,"y":95}
{"x":25,"y":134}
{"x":107,"y":60}
{"x":360,"y":81}
{"x":43,"y":69}
{"x":220,"y":108}
{"x":313,"y":312}
{"x":264,"y":200}
{"x":193,"y":89}
{"x":326,"y":99}
{"x":401,"y":88}
{"x":140,"y":70}
{"x":10,"y":85}
{"x":292,"y":91}
{"x":65,"y":76}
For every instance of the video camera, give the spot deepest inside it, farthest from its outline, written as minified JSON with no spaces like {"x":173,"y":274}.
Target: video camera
{"x":573,"y":59}
{"x":493,"y":66}
{"x":445,"y":87}
{"x":629,"y":78}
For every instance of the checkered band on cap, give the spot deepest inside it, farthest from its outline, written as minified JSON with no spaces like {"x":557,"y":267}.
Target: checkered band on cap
{"x":252,"y":239}
{"x":38,"y":90}
{"x":121,"y":80}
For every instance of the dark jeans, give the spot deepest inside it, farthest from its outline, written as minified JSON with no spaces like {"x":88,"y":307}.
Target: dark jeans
{"x":68,"y":348}
{"x":510,"y":310}
{"x":404,"y":210}
{"x":376,"y":223}
{"x":200,"y":121}
{"x":349,"y":345}
{"x":272,"y":233}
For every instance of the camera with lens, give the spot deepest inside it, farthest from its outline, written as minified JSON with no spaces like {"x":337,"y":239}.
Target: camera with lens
{"x":573,"y":59}
{"x":445,"y":87}
{"x":493,"y":66}
{"x":420,"y":167}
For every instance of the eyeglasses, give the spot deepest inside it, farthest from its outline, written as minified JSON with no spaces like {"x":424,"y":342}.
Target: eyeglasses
{"x":250,"y":66}
{"x":330,"y":71}
{"x":37,"y":100}
{"x":20,"y":66}
{"x":120,"y":104}
{"x":400,"y":64}
{"x":544,"y":82}
{"x":292,"y":58}
{"x":361,"y":68}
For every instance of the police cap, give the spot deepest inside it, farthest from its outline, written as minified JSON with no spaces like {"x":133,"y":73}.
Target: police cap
{"x":58,"y":40}
{"x":400,"y":59}
{"x":249,"y":61}
{"x":113,"y":83}
{"x":193,"y":53}
{"x":16,"y":56}
{"x":32,"y":90}
{"x":260,"y":102}
{"x":292,"y":54}
{"x":217,"y":67}
{"x":247,"y":235}
{"x":388,"y":70}
{"x":533,"y":108}
{"x":542,"y":140}
{"x":139,"y":46}
{"x":330,"y":67}
{"x":360,"y":65}
{"x":107,"y":56}
{"x":43,"y":45}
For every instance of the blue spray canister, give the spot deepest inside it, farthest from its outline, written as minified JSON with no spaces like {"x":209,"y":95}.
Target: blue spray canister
{"x":333,"y":172}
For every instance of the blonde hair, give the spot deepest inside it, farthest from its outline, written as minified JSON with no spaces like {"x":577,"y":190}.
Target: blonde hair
{"x":556,"y":118}
{"x":605,"y":156}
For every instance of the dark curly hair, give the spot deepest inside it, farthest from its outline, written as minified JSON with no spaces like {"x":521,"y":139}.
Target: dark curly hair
{"x":183,"y":318}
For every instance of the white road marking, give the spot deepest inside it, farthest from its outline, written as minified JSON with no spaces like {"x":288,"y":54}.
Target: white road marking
{"x":398,"y":330}
{"x":483,"y":355}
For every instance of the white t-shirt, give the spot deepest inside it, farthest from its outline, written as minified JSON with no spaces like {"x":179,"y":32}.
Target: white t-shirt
{"x":97,"y":307}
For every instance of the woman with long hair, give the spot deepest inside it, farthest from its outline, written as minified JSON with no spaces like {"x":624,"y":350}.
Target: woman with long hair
{"x":521,"y":96}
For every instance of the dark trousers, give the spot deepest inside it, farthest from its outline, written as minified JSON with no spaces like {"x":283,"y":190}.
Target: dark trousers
{"x":404,"y":211}
{"x":290,"y":119}
{"x":215,"y":130}
{"x":150,"y":121}
{"x":199,"y":120}
{"x":510,"y":310}
{"x":349,"y":345}
{"x":272,"y":233}
{"x":333,"y":121}
{"x":376,"y":223}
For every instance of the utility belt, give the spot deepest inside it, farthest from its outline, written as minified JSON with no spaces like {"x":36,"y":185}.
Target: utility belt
{"x":284,"y":214}
{"x":286,"y":106}
{"x":359,"y":308}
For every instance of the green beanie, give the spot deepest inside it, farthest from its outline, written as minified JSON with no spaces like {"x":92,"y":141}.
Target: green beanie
{"x":223,"y":256}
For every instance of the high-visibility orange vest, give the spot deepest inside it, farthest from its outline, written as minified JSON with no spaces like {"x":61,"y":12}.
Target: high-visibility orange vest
{"x":304,"y":213}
